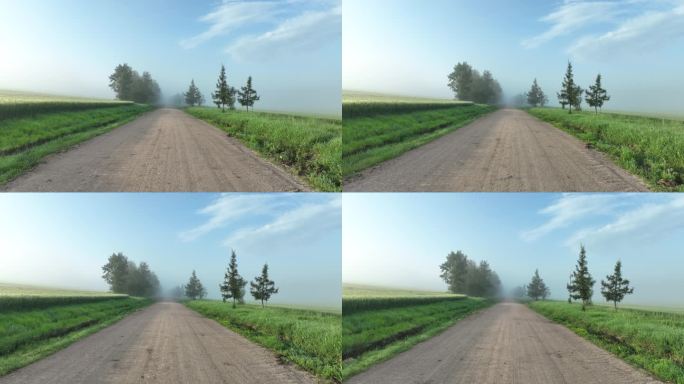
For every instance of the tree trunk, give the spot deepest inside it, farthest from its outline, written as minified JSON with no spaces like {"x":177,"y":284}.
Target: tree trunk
{"x":233,"y":302}
{"x":262,"y":303}
{"x":615,"y":303}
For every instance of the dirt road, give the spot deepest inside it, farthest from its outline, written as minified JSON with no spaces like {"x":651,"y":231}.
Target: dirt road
{"x":165,"y":343}
{"x":508,"y":343}
{"x":164,"y":150}
{"x":508,"y":150}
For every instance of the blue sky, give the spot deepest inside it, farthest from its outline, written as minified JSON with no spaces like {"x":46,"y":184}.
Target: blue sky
{"x":410,"y":46}
{"x":399,"y":240}
{"x":62,"y":240}
{"x":290,"y":47}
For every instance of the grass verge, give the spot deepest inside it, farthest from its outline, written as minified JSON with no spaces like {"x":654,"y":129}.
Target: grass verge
{"x":371,"y":138}
{"x":310,"y":146}
{"x":649,"y":147}
{"x":310,"y":339}
{"x":24,"y":142}
{"x":374,"y":335}
{"x":29,"y":335}
{"x":651,"y":340}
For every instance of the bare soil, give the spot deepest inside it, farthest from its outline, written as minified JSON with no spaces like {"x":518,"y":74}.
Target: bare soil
{"x":164,"y":343}
{"x":165,"y":150}
{"x":507,"y":343}
{"x":506,"y":151}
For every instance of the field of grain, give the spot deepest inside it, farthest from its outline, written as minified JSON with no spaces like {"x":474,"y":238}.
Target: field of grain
{"x":35,"y":322}
{"x":649,"y":147}
{"x":310,"y":146}
{"x":378,"y":127}
{"x":652,"y":340}
{"x":310,"y":339}
{"x":376,"y":327}
{"x":32,"y":127}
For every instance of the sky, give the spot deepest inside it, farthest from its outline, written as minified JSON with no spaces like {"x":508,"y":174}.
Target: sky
{"x":63,"y":240}
{"x":399,"y":240}
{"x":70,"y":47}
{"x":407,"y":47}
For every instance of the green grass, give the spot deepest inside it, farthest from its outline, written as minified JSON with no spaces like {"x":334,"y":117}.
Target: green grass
{"x":377,"y":325}
{"x":652,"y":340}
{"x":15,"y":104}
{"x":25,"y":141}
{"x":376,"y":131}
{"x":311,"y":147}
{"x":310,"y":339}
{"x":649,"y":147}
{"x":33,"y":332}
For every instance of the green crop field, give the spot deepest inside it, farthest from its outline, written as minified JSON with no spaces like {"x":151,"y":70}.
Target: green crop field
{"x":649,"y":147}
{"x":32,"y":127}
{"x":36,"y":322}
{"x":311,"y":147}
{"x":377,"y":327}
{"x":652,"y":340}
{"x":310,"y":339}
{"x":379,"y":127}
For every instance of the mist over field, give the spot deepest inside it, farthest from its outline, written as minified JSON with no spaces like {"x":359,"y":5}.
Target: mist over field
{"x":400,"y":240}
{"x":63,"y":240}
{"x":636,"y":45}
{"x":290,"y":48}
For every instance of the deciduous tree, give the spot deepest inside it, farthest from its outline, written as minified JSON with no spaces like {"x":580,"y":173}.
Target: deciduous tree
{"x":615,"y":288}
{"x":115,"y":273}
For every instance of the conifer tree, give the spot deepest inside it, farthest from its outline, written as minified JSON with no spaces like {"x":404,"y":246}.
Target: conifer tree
{"x":569,"y":90}
{"x":537,"y":288}
{"x":596,"y":95}
{"x":193,"y":96}
{"x":577,"y":104}
{"x":247,"y":95}
{"x":616,"y":288}
{"x":562,"y":98}
{"x":223,"y":96}
{"x":233,"y":284}
{"x":194,"y":289}
{"x":536,"y":96}
{"x":262,"y":288}
{"x":581,"y":286}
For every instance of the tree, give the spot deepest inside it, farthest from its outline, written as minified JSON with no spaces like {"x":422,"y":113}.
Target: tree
{"x":562,"y":98}
{"x":536,"y":96}
{"x":537,"y":288}
{"x":122,"y":82}
{"x":461,"y":81}
{"x":577,"y":104}
{"x":570,"y":92}
{"x":596,"y":95}
{"x":129,"y":85}
{"x":115,"y":273}
{"x":193,"y":96}
{"x":224,"y":94}
{"x":581,"y":286}
{"x":247,"y":95}
{"x":262,"y":288}
{"x":233,"y":284}
{"x":465,"y":276}
{"x":194,"y":289}
{"x":454,"y":271}
{"x":616,"y":288}
{"x":519,"y":292}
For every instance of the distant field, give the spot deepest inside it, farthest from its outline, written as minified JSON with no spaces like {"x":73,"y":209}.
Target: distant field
{"x":376,"y":327}
{"x":310,"y":146}
{"x":652,"y":340}
{"x":377,"y":128}
{"x":32,"y":126}
{"x":36,"y":322}
{"x":650,"y":147}
{"x":310,"y":339}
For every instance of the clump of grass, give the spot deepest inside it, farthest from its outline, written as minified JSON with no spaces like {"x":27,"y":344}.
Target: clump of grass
{"x":652,"y":340}
{"x":35,"y":331}
{"x":372,"y":137}
{"x":310,"y":339}
{"x":310,"y":146}
{"x":649,"y":147}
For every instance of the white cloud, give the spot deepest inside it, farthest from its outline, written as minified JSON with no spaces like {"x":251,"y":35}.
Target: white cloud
{"x":288,"y":27}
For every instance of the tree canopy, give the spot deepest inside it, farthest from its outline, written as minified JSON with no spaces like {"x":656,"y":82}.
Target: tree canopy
{"x":468,"y":84}
{"x":465,"y":276}
{"x":124,"y":276}
{"x":129,"y":85}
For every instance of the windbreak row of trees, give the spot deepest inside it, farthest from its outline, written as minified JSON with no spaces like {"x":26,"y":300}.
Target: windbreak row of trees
{"x":464,"y":275}
{"x":468,"y":84}
{"x":127,"y":277}
{"x":129,"y":85}
{"x":224,"y":96}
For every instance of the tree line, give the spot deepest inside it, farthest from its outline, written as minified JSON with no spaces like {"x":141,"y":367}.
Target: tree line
{"x":581,"y":286}
{"x":570,"y":94}
{"x":129,"y":85}
{"x":468,"y":84}
{"x":233,"y":286}
{"x":464,"y":275}
{"x":124,"y":276}
{"x":225,"y":95}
